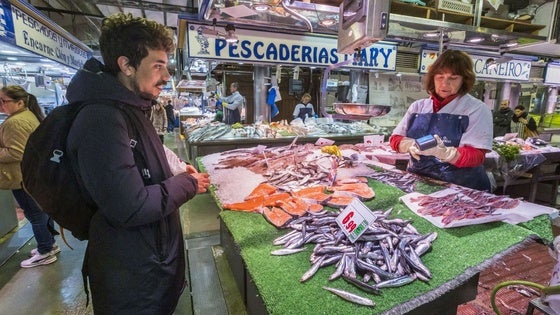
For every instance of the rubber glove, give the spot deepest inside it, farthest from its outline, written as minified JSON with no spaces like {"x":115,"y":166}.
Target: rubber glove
{"x":440,"y":151}
{"x":405,"y":144}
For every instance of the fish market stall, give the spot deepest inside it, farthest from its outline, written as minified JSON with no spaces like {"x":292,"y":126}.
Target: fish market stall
{"x":218,"y":137}
{"x":426,"y":269}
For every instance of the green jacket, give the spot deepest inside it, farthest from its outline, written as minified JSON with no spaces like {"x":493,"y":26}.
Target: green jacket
{"x":14,"y":132}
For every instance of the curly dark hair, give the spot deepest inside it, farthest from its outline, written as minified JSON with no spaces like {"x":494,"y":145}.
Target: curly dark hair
{"x":125,"y":35}
{"x":456,"y":61}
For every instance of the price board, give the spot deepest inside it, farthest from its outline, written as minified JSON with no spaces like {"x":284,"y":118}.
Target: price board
{"x":355,"y":219}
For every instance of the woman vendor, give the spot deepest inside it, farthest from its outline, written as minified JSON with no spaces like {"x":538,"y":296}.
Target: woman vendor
{"x":460,"y":124}
{"x":304,"y":109}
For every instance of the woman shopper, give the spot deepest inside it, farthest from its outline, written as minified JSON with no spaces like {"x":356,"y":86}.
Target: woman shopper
{"x":523,"y":124}
{"x":460,"y":124}
{"x":24,"y":115}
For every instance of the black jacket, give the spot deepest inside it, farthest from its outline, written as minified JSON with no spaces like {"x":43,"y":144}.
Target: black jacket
{"x":135,"y":254}
{"x":502,"y":121}
{"x":531,"y":123}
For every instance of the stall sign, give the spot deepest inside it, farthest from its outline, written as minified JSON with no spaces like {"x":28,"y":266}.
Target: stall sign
{"x":26,"y":28}
{"x":552,"y":73}
{"x":281,"y":48}
{"x":513,"y":70}
{"x":355,"y":219}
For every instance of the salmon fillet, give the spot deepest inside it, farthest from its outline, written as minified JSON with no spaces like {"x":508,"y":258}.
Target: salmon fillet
{"x":276,"y":216}
{"x":263,"y":189}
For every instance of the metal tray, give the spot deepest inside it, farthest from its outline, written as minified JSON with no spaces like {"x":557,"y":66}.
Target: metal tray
{"x":361,"y":110}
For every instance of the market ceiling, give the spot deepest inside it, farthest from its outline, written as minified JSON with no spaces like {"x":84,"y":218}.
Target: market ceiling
{"x":83,"y":18}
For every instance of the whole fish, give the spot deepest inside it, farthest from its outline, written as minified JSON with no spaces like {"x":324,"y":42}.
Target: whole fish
{"x":361,"y":285}
{"x":309,"y":273}
{"x":351,"y":297}
{"x":287,"y":251}
{"x":396,"y":282}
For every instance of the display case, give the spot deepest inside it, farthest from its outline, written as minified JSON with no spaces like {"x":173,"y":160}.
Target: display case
{"x":8,"y":218}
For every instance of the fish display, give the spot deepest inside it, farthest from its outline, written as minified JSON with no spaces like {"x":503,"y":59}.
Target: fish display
{"x":209,"y":131}
{"x":387,"y":254}
{"x":465,"y":203}
{"x":403,"y":181}
{"x":280,"y":207}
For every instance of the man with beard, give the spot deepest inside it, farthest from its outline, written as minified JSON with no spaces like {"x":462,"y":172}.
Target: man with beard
{"x":502,"y":119}
{"x":135,"y":254}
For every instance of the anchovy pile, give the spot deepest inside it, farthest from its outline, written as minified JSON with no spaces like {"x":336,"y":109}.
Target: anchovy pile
{"x":403,"y":181}
{"x":297,"y":175}
{"x":386,"y":255}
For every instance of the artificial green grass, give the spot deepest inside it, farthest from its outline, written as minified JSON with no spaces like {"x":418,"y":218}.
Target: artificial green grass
{"x":457,"y":252}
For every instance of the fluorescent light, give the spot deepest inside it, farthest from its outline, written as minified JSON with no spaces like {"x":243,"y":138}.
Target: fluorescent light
{"x":327,"y":22}
{"x":261,"y":7}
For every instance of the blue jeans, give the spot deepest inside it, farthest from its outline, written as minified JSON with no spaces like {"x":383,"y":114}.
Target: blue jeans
{"x":39,"y":221}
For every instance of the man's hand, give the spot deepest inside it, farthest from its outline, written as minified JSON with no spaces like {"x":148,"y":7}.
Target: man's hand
{"x":191,"y":169}
{"x":523,"y":121}
{"x":203,"y":182}
{"x":440,"y":151}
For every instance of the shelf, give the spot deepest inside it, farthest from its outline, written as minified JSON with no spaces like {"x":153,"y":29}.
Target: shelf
{"x":510,"y":25}
{"x":430,"y":13}
{"x":413,"y":10}
{"x":456,"y":17}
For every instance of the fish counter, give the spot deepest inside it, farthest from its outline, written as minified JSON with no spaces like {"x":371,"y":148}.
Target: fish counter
{"x":215,"y":137}
{"x":289,"y":256}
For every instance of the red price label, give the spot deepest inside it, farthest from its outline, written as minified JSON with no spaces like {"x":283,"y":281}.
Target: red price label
{"x":354,"y":219}
{"x":349,"y":224}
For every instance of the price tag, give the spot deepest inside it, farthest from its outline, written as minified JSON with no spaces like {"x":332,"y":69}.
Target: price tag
{"x":259,"y":149}
{"x":354,"y":219}
{"x":323,"y":142}
{"x":374,"y":139}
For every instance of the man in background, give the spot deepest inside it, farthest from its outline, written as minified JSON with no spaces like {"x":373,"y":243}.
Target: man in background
{"x":502,"y":119}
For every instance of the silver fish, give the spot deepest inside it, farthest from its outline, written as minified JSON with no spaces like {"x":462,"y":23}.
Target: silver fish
{"x":396,"y":282}
{"x":287,"y":251}
{"x":309,"y":273}
{"x":351,"y":297}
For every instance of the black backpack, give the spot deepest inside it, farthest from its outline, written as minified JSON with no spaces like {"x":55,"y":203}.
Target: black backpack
{"x":48,"y":175}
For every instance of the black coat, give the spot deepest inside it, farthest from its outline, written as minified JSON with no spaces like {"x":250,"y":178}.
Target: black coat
{"x":502,"y":121}
{"x":135,"y":255}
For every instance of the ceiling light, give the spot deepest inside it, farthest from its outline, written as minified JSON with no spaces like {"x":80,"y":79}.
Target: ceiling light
{"x":261,"y":7}
{"x":327,"y":22}
{"x":511,"y":44}
{"x":431,"y":35}
{"x":476,"y":39}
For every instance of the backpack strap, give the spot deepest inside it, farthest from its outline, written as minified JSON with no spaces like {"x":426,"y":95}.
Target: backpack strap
{"x":136,"y":146}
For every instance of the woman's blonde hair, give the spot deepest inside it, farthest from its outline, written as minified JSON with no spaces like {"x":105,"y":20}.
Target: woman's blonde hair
{"x":305,"y":95}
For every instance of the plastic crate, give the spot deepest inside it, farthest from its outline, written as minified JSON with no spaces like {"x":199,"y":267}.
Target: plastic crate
{"x":455,"y":6}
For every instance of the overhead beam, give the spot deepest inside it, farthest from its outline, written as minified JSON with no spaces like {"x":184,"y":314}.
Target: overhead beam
{"x":148,"y":5}
{"x":50,"y":9}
